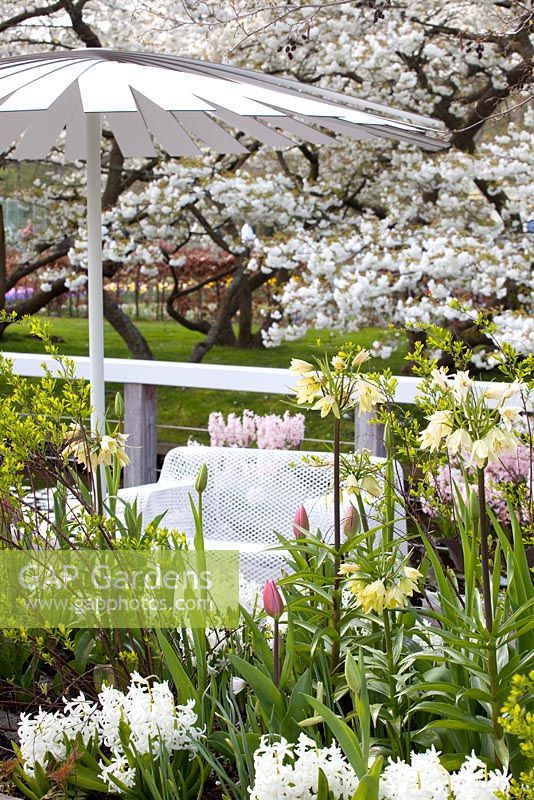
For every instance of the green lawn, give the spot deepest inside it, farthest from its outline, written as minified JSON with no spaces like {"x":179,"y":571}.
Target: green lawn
{"x":191,"y":407}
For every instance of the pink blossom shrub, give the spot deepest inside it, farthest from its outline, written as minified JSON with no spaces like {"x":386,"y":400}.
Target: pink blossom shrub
{"x":269,"y":432}
{"x":503,"y":479}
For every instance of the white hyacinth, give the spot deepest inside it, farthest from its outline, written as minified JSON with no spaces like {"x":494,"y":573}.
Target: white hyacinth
{"x":40,"y":736}
{"x":154,"y":719}
{"x":147,"y":710}
{"x":426,"y":779}
{"x":474,"y":781}
{"x":46,"y":733}
{"x":117,"y":770}
{"x":285,"y":771}
{"x":423,"y":779}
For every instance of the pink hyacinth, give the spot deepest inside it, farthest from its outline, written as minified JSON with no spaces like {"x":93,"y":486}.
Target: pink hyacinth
{"x":217,"y":429}
{"x":234,"y":431}
{"x":294,"y":424}
{"x":248,"y":428}
{"x":269,"y":432}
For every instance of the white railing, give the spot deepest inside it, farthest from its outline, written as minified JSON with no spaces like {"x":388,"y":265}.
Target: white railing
{"x":267,"y":380}
{"x":140,"y":379}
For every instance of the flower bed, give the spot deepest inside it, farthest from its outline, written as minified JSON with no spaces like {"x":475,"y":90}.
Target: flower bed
{"x":367,"y":669}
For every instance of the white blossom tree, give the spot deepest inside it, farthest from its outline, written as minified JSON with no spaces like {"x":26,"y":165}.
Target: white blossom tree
{"x":354,"y":234}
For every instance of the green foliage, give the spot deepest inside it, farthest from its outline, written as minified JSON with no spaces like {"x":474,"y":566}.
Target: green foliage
{"x":518,"y":720}
{"x":34,"y":426}
{"x":361,"y":663}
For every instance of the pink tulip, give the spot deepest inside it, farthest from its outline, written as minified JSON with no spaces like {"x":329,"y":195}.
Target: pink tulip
{"x":351,"y":522}
{"x":301,"y":523}
{"x":272,"y":600}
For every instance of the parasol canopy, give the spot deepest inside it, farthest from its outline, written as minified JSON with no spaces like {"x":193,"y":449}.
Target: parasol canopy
{"x":180,"y":105}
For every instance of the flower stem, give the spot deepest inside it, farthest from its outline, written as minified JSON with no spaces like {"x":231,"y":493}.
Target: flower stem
{"x":488,"y":606}
{"x":484,"y":552}
{"x":99,"y":486}
{"x":276,"y":654}
{"x":336,"y":598}
{"x":391,"y":664}
{"x":395,"y":727}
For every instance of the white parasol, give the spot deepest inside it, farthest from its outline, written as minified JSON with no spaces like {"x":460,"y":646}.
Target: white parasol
{"x":179,"y":103}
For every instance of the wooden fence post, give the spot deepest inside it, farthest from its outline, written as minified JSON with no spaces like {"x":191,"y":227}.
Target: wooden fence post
{"x":368,"y":436}
{"x":140,"y":413}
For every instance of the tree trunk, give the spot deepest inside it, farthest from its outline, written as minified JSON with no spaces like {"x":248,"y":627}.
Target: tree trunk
{"x":222,"y":320}
{"x":121,"y":322}
{"x":227,"y":336}
{"x":245,"y":314}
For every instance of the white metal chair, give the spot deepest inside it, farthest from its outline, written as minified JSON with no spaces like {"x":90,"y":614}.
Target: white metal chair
{"x":250,"y":494}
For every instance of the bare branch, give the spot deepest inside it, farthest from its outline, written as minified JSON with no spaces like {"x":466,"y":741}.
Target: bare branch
{"x":80,"y":27}
{"x":212,"y":233}
{"x":40,"y":11}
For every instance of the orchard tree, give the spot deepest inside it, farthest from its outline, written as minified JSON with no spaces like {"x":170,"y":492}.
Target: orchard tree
{"x":398,"y":233}
{"x":354,"y":234}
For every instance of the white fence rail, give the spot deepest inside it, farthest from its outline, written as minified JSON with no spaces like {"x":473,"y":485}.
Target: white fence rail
{"x":141,"y":378}
{"x":267,"y":380}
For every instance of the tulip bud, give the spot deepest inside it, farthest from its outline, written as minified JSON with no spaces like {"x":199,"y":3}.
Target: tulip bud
{"x":272,"y":600}
{"x":119,"y":406}
{"x":301,"y":523}
{"x":351,"y":522}
{"x":202,"y":479}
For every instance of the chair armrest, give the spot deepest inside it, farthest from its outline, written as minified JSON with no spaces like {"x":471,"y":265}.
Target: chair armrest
{"x":139,"y":494}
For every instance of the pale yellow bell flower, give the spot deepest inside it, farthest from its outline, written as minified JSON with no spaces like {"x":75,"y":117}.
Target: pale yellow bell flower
{"x":375,"y":596}
{"x":408,"y":582}
{"x":108,"y":444}
{"x":300,"y":367}
{"x":348,"y":569}
{"x":355,"y":486}
{"x":461,"y":385}
{"x":500,"y":442}
{"x":439,"y":376}
{"x":368,"y":396}
{"x":327,"y":404}
{"x":412,"y":573}
{"x":307,"y":388}
{"x":81,"y":453}
{"x":479,"y":453}
{"x":439,"y":427}
{"x":123,"y":458}
{"x":510,"y":416}
{"x":394,"y":597}
{"x":372,"y":597}
{"x":356,"y":586}
{"x":459,"y":440}
{"x":338,"y":363}
{"x":360,"y":358}
{"x":370,"y":485}
{"x":351,"y":485}
{"x":503,"y":391}
{"x":78,"y":447}
{"x":112,"y":447}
